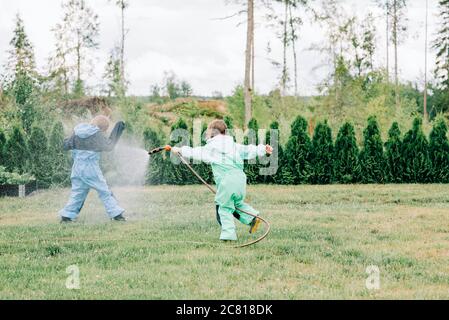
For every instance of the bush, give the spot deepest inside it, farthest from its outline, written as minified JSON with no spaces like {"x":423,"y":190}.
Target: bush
{"x":156,"y":164}
{"x":40,"y":159}
{"x":393,"y":154}
{"x":439,"y":152}
{"x":16,"y":152}
{"x":346,"y":155}
{"x":372,"y":161}
{"x":322,"y":155}
{"x":60,"y":162}
{"x":297,"y":154}
{"x":2,"y":148}
{"x":252,"y":166}
{"x":417,"y":166}
{"x":14,"y":178}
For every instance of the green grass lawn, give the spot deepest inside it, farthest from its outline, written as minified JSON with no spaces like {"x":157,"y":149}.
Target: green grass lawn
{"x":323,"y":238}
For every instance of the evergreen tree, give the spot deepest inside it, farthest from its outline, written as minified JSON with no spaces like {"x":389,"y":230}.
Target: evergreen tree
{"x":393,"y":154}
{"x":155,"y":173}
{"x":113,"y":76}
{"x":322,"y":155}
{"x":3,"y":158}
{"x":60,"y":162}
{"x":78,"y":33}
{"x":372,"y":160}
{"x":16,"y":151}
{"x":40,"y":161}
{"x":276,"y":177}
{"x":21,"y":79}
{"x":441,"y":46}
{"x":229,"y":122}
{"x":346,"y":155}
{"x":417,"y":166}
{"x":439,"y":152}
{"x":297,"y":154}
{"x":178,"y":173}
{"x":252,"y":166}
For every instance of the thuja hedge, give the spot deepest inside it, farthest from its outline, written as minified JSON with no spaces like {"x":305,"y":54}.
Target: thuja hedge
{"x":403,"y":158}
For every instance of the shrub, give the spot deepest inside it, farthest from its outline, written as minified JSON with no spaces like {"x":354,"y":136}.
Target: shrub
{"x":372,"y":161}
{"x":439,"y":152}
{"x":346,"y":155}
{"x":322,"y":155}
{"x":60,"y":161}
{"x":297,"y":154}
{"x":40,"y":159}
{"x":16,"y":152}
{"x":417,"y":166}
{"x":393,"y":154}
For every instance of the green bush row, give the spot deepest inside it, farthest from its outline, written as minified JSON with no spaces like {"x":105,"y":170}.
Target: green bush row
{"x":35,"y":154}
{"x":409,"y":158}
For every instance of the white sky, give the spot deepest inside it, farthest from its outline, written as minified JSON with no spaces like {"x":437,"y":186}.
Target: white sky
{"x":186,"y":37}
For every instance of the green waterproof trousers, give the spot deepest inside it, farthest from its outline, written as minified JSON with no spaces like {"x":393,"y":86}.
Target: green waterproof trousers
{"x":230,"y":197}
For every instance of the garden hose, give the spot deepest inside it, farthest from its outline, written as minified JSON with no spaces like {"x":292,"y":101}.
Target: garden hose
{"x":187,"y":164}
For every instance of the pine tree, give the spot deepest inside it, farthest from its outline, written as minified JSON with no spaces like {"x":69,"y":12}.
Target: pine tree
{"x":439,"y":152}
{"x":3,"y":158}
{"x":229,"y":122}
{"x":252,"y":166}
{"x":16,"y":151}
{"x":372,"y":160}
{"x":60,"y":162}
{"x":346,"y":155}
{"x":417,"y":166}
{"x":113,"y":77}
{"x":80,"y":31}
{"x":21,"y":79}
{"x":277,"y":176}
{"x":178,"y":173}
{"x":393,"y":155}
{"x":322,"y":153}
{"x":156,"y":173}
{"x":297,"y":154}
{"x":40,"y":162}
{"x":441,"y":45}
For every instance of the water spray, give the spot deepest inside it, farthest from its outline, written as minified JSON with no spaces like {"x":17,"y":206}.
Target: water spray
{"x":187,"y":164}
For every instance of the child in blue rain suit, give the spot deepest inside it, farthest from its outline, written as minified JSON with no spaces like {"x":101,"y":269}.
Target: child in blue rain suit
{"x":86,"y":144}
{"x":226,"y":158}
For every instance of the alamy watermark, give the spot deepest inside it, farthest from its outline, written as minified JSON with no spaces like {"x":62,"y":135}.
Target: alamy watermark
{"x":194,"y":139}
{"x":73,"y":280}
{"x":372,"y":282}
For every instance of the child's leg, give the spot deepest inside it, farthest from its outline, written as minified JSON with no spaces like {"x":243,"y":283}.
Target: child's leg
{"x":227,"y":223}
{"x":98,"y":183}
{"x":239,"y":203}
{"x":77,"y":198}
{"x":245,"y":218}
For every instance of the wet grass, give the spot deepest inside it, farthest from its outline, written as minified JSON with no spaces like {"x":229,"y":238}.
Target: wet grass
{"x":323,"y":239}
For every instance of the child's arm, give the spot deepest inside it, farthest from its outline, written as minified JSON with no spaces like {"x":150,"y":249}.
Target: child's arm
{"x":197,"y":153}
{"x":251,"y":151}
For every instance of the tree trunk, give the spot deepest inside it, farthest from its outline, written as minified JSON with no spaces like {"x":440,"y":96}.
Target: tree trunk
{"x":78,"y":59}
{"x":425,"y":65}
{"x":285,"y":40}
{"x":395,"y":41}
{"x":388,"y":40}
{"x":248,"y":63}
{"x":122,"y":52}
{"x":252,"y":64}
{"x":295,"y":62}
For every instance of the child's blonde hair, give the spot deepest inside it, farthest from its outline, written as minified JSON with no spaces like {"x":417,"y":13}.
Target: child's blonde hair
{"x":101,"y":122}
{"x":216,"y":127}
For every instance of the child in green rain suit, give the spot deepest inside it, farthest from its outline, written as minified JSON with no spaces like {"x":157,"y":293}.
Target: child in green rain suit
{"x":226,"y":158}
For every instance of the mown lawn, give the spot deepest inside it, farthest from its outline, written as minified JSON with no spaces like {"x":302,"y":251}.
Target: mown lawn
{"x":323,"y":238}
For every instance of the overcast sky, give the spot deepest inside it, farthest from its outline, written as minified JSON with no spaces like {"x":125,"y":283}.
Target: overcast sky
{"x":187,"y":37}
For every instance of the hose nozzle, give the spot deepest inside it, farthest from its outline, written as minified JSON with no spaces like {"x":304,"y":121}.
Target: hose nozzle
{"x":160,"y":149}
